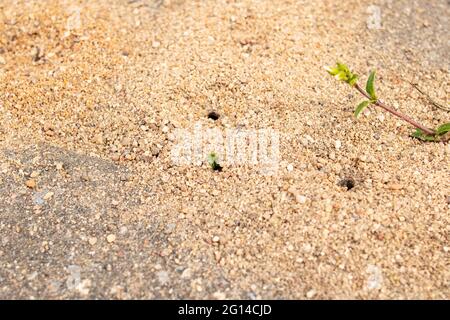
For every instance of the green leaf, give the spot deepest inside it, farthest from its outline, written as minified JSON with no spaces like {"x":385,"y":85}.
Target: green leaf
{"x":333,"y":71}
{"x":443,"y":129}
{"x":370,"y":88}
{"x":212,"y":160}
{"x":419,"y":134}
{"x":353,"y":79}
{"x":343,"y":73}
{"x":361,"y":107}
{"x":342,"y":66}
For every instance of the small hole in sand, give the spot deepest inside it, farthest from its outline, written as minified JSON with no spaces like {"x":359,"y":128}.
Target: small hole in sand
{"x":348,"y":183}
{"x":213,"y":115}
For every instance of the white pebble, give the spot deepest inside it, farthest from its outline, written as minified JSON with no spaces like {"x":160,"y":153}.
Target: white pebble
{"x":48,"y":195}
{"x":337,"y":144}
{"x":300,"y":199}
{"x":375,"y":278}
{"x":163,"y":277}
{"x":311,"y":293}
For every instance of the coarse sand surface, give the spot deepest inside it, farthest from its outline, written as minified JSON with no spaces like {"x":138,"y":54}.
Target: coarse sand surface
{"x":94,"y":205}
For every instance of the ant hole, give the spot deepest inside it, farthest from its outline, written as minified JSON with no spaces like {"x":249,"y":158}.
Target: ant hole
{"x":348,"y":183}
{"x":213,"y":115}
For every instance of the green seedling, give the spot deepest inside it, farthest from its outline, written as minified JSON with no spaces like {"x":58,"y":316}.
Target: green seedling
{"x":343,"y":73}
{"x":212,"y":160}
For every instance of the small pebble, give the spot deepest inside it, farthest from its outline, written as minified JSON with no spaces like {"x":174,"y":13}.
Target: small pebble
{"x":31,"y":183}
{"x":93,"y":240}
{"x":126,"y":141}
{"x":163,"y":277}
{"x":395,"y":186}
{"x":219,"y":295}
{"x":98,"y":139}
{"x":311,"y":293}
{"x":48,"y":195}
{"x":337,"y":144}
{"x":300,"y":199}
{"x":111,"y":238}
{"x":34,"y":174}
{"x":186,"y":274}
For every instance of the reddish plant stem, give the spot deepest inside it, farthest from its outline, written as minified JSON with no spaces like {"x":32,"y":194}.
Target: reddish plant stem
{"x":396,"y":113}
